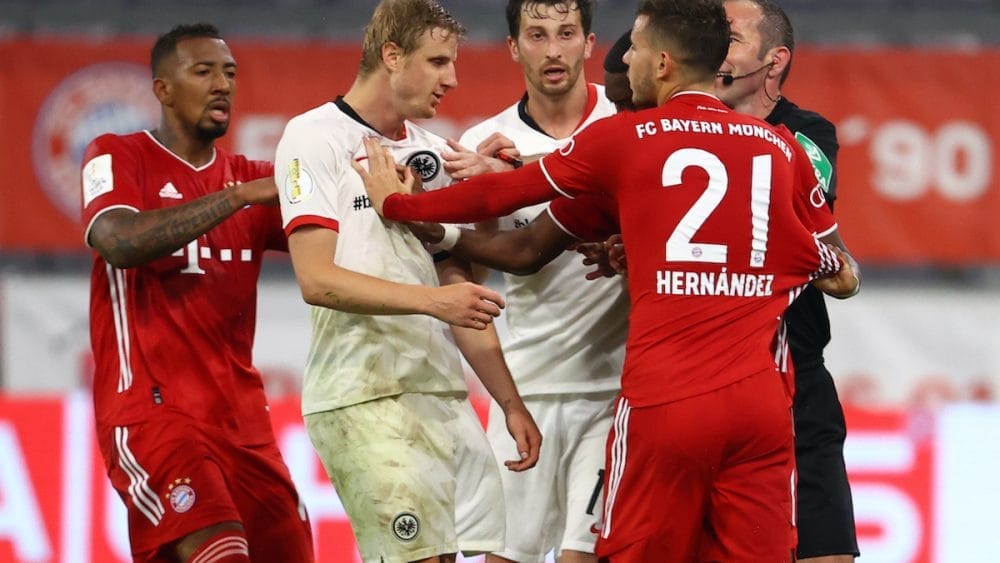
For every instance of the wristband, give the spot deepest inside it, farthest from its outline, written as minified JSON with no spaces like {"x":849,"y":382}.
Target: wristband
{"x":450,"y":238}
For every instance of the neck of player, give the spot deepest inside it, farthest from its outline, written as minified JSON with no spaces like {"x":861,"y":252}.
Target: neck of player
{"x":185,"y":144}
{"x":370,"y":97}
{"x":558,"y":115}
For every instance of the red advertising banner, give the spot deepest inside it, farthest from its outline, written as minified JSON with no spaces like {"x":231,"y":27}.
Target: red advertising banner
{"x":917,"y":168}
{"x":919,"y":135}
{"x":56,"y":504}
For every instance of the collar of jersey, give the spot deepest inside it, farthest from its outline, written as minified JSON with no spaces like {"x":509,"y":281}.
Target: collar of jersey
{"x":522,"y":111}
{"x":349,"y":111}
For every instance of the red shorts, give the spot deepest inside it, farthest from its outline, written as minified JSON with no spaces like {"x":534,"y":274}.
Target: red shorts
{"x":177,"y":477}
{"x":709,"y":478}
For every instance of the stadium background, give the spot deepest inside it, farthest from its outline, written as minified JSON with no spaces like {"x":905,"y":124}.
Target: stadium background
{"x":910,"y":85}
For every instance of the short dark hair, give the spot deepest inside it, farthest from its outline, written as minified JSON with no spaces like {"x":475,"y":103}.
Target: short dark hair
{"x":697,"y":30}
{"x":775,"y":30}
{"x":613,"y":62}
{"x":166,"y":44}
{"x":514,"y":8}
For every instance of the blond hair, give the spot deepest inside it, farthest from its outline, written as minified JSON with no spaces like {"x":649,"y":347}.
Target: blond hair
{"x":403,"y":22}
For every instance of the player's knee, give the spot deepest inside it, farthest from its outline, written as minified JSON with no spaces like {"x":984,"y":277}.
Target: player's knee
{"x":225,"y":543}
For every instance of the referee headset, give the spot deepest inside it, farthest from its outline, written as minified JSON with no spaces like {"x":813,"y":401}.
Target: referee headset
{"x":728,"y":78}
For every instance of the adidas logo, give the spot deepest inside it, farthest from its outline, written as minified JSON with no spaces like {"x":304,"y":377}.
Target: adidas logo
{"x":170,"y":192}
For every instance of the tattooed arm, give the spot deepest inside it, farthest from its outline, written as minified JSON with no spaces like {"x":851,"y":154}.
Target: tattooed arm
{"x":126,"y":239}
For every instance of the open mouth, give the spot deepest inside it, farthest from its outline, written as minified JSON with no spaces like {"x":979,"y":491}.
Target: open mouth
{"x":555,"y":73}
{"x":218,"y":111}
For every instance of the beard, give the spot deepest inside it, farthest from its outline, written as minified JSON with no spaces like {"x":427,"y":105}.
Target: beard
{"x":212,"y":131}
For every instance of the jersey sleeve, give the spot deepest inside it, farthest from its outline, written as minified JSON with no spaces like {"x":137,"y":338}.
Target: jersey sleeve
{"x":259,"y":169}
{"x":584,"y":165}
{"x":309,"y":174}
{"x":109,"y":179}
{"x":810,"y":199}
{"x":819,"y":138}
{"x":590,"y":218}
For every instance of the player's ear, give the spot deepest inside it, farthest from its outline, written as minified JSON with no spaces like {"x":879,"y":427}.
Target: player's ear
{"x":515,"y":53}
{"x":589,"y":45}
{"x":392,"y":56}
{"x":163,"y":90}
{"x":665,"y":65}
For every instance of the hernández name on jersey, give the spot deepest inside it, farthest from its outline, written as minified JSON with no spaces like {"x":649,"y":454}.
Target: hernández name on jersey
{"x":667,"y":125}
{"x":712,"y":284}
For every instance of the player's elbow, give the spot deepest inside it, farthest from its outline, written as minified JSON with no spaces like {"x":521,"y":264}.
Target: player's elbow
{"x":312,"y":293}
{"x":526,"y":268}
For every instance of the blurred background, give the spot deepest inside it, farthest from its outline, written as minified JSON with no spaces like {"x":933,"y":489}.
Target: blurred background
{"x":910,"y":84}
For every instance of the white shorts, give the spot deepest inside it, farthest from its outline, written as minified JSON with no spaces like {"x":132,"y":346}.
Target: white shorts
{"x":554,"y":504}
{"x":415,"y":474}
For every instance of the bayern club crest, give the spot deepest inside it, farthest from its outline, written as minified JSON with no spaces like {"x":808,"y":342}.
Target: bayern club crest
{"x":181,"y":495}
{"x":98,"y":99}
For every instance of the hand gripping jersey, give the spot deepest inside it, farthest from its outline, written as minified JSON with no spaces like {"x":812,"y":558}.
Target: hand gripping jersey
{"x":580,"y":324}
{"x":719,"y":213}
{"x":177,"y":333}
{"x":355,"y":358}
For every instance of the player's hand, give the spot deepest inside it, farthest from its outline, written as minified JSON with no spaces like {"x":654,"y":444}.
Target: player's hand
{"x":381,"y":179}
{"x":845,"y":283}
{"x":616,"y":254}
{"x":497,"y":143}
{"x":462,"y":163}
{"x":431,"y":233}
{"x":525,"y":432}
{"x":594,"y":254}
{"x":418,"y":180}
{"x":465,"y":304}
{"x":261,"y":191}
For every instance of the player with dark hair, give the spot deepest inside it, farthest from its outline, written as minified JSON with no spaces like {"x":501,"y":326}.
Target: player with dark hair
{"x":721,"y":214}
{"x":616,"y":74}
{"x":750,"y":82}
{"x":384,"y":396}
{"x":179,"y":227}
{"x":571,"y":391}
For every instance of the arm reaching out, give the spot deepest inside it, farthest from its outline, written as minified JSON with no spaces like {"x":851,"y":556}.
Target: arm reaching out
{"x":125,"y":238}
{"x":476,"y":199}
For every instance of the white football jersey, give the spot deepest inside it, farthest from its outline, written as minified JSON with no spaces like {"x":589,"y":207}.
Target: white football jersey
{"x":355,"y":358}
{"x":566,"y":334}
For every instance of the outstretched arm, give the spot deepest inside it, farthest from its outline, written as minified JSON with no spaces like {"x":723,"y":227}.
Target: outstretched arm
{"x":474,"y":200}
{"x":325,"y":284}
{"x":126,"y":238}
{"x":520,"y":251}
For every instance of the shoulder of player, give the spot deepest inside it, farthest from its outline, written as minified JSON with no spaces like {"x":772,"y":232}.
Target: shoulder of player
{"x":804,"y":120}
{"x":111,"y":142}
{"x":321,"y":129}
{"x":129,"y":146}
{"x":503,"y":121}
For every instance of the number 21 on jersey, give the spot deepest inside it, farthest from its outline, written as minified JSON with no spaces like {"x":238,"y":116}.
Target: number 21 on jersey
{"x":679,"y":245}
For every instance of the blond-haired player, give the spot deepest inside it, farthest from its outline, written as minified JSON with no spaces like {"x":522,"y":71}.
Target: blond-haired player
{"x":384,"y":397}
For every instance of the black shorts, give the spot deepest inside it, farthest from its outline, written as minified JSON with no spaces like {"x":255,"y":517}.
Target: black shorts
{"x":825,"y":510}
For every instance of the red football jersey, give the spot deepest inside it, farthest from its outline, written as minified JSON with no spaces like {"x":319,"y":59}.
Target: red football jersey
{"x":719,"y":214}
{"x":719,"y":234}
{"x":177,"y":333}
